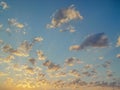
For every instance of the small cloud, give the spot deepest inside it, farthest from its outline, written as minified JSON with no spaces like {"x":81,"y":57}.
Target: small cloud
{"x":71,"y":61}
{"x":7,"y":48}
{"x":14,"y":22}
{"x":9,"y":58}
{"x":4,"y":5}
{"x":75,"y":73}
{"x":1,"y":41}
{"x":118,"y":42}
{"x":109,"y":73}
{"x":29,"y":70}
{"x":1,"y":26}
{"x":118,"y":55}
{"x":38,"y":39}
{"x":74,"y":47}
{"x":101,"y":58}
{"x":88,"y":66}
{"x":51,"y":66}
{"x":40,"y":55}
{"x":106,"y":64}
{"x":32,"y":61}
{"x":98,"y":40}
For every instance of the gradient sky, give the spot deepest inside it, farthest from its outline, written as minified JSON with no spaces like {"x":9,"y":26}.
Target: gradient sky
{"x":65,"y":42}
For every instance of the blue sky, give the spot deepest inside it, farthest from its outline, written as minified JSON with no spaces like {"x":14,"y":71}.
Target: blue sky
{"x":78,"y":37}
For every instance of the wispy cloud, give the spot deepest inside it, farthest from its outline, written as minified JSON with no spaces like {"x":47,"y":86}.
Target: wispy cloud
{"x":98,"y":40}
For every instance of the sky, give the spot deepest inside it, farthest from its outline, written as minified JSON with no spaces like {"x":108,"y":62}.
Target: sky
{"x":59,"y":44}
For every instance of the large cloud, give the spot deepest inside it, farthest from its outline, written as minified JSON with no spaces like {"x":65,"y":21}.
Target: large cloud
{"x":98,"y":40}
{"x":63,"y":16}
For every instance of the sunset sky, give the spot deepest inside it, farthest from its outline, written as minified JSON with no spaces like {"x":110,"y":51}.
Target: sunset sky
{"x":59,"y":44}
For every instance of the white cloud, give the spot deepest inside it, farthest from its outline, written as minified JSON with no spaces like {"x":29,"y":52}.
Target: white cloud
{"x":1,"y":26}
{"x":40,"y":55}
{"x":14,"y":22}
{"x":4,"y":5}
{"x":71,"y":61}
{"x":75,"y":73}
{"x":118,"y":42}
{"x":98,"y":40}
{"x":38,"y":39}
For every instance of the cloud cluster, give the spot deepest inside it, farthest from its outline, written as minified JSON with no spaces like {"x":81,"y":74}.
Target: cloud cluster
{"x":98,"y":40}
{"x":118,"y":42}
{"x":71,"y":61}
{"x":40,"y":55}
{"x":4,"y":5}
{"x":14,"y":22}
{"x":51,"y":66}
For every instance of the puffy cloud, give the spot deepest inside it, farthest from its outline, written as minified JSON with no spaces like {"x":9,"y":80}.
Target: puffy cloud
{"x":7,"y":48}
{"x":23,"y":49}
{"x":15,"y":23}
{"x":71,"y":61}
{"x":63,"y":17}
{"x":9,"y":58}
{"x":75,"y":73}
{"x":118,"y":55}
{"x":51,"y":66}
{"x":1,"y":41}
{"x":118,"y":42}
{"x":29,"y":70}
{"x":32,"y":61}
{"x":38,"y":39}
{"x":109,"y":73}
{"x":74,"y":47}
{"x":40,"y":55}
{"x":4,"y":5}
{"x":95,"y":40}
{"x":88,"y":66}
{"x":106,"y":64}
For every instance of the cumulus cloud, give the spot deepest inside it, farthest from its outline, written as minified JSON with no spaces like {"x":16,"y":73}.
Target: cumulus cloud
{"x":40,"y":55}
{"x":106,"y":64}
{"x":98,"y":40}
{"x":7,"y":48}
{"x":71,"y":61}
{"x":118,"y":55}
{"x":14,"y":22}
{"x":75,"y":73}
{"x":51,"y":66}
{"x":38,"y":39}
{"x":1,"y":26}
{"x":29,"y":70}
{"x":1,"y":41}
{"x":88,"y":66}
{"x":4,"y":5}
{"x":64,"y":16}
{"x":109,"y":73}
{"x":118,"y":42}
{"x":32,"y":61}
{"x":23,"y":49}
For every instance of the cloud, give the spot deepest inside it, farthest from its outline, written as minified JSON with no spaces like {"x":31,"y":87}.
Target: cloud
{"x":23,"y":49}
{"x":3,"y":74}
{"x":38,"y":39}
{"x":88,"y":66}
{"x":4,"y":5}
{"x":75,"y":73}
{"x":7,"y":48}
{"x":32,"y":61}
{"x":29,"y":70}
{"x":98,"y":40}
{"x":40,"y":55}
{"x":1,"y":41}
{"x":71,"y":61}
{"x":14,"y":22}
{"x":64,"y":16}
{"x":9,"y":58}
{"x":109,"y":73}
{"x":118,"y":42}
{"x":51,"y":66}
{"x":106,"y":64}
{"x":1,"y":26}
{"x":118,"y":55}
